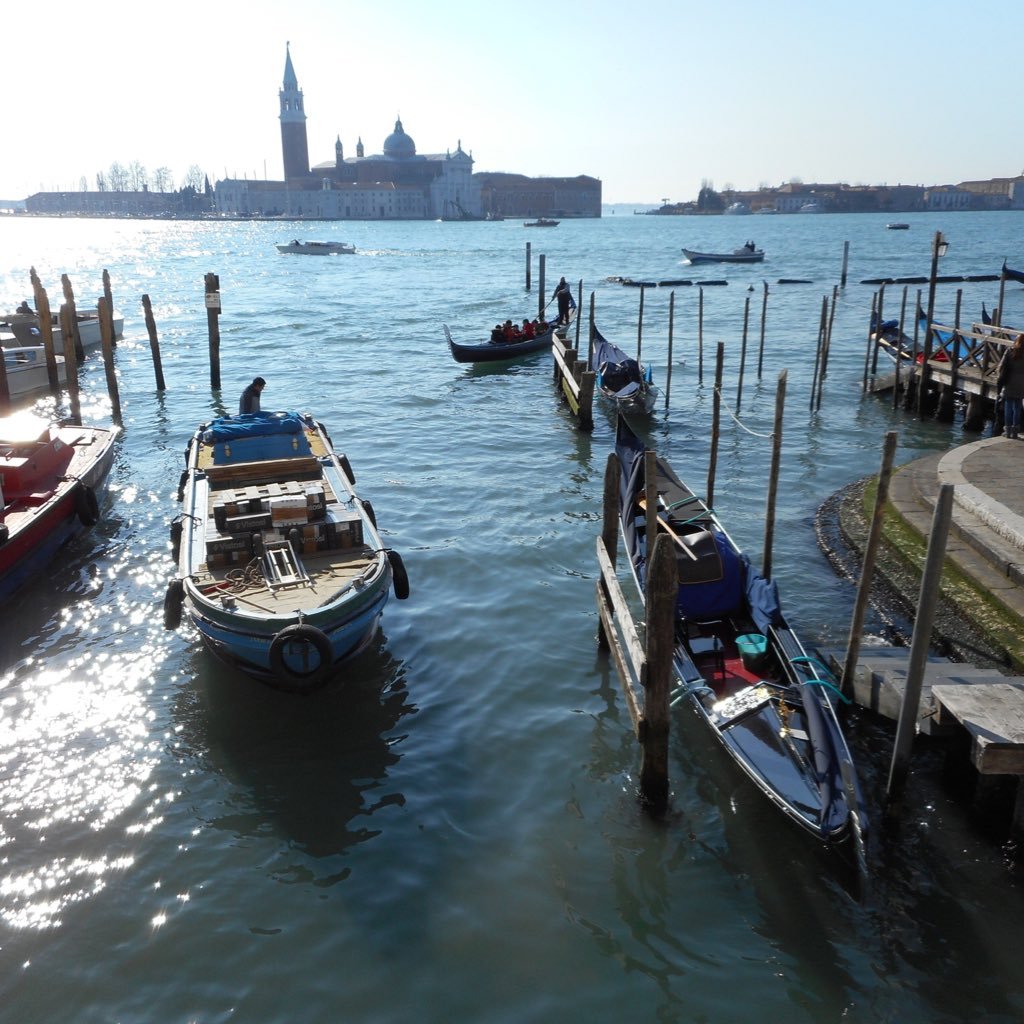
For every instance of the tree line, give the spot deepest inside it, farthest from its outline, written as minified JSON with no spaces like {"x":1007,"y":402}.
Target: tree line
{"x":134,"y":177}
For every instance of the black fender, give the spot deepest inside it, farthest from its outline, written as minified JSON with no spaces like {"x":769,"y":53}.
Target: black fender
{"x":370,"y":514}
{"x":182,"y":480}
{"x":4,"y":533}
{"x":87,"y":507}
{"x":399,"y":577}
{"x":174,"y":599}
{"x":301,"y":633}
{"x":346,"y":467}
{"x":177,"y":527}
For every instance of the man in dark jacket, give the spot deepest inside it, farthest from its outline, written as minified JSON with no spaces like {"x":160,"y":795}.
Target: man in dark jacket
{"x":563,"y":293}
{"x":250,"y":400}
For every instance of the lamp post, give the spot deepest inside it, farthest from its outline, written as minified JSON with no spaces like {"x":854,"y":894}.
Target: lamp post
{"x":939,"y":248}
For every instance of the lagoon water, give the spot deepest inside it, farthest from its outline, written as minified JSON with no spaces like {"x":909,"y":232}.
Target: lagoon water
{"x":450,"y":832}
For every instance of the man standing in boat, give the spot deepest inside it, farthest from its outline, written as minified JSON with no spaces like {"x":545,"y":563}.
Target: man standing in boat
{"x":563,"y":294}
{"x":250,"y":400}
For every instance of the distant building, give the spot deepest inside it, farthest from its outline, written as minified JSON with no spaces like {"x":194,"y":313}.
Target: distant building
{"x":396,"y":184}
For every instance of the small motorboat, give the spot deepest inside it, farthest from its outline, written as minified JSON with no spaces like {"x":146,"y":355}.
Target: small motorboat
{"x":52,"y":480}
{"x":624,"y":381}
{"x":318,"y":248}
{"x":25,"y":366}
{"x":25,"y":328}
{"x":738,"y":663}
{"x":749,"y":253}
{"x":541,"y":222}
{"x":898,"y":226}
{"x":280,"y":565}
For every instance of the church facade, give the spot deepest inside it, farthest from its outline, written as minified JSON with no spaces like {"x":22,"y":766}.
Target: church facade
{"x":396,"y":184}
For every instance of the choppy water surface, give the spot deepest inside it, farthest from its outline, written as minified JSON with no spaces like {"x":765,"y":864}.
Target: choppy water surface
{"x":452,"y":832}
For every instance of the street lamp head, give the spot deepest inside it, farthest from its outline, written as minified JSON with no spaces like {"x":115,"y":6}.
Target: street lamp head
{"x":941,"y":245}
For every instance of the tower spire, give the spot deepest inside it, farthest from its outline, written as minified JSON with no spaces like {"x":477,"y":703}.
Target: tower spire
{"x":294,"y":147}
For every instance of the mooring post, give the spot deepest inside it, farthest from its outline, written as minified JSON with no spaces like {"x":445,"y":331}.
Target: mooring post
{"x":868,"y":568}
{"x":671,"y":324}
{"x":818,"y":352}
{"x":743,"y":353}
{"x":700,"y":337}
{"x":716,"y":405}
{"x":579,"y":310}
{"x":69,"y":298}
{"x":906,"y":725}
{"x":106,"y":317}
{"x":876,"y":319}
{"x":154,"y":343}
{"x":5,"y":389}
{"x":541,"y":268}
{"x":764,"y":317}
{"x":640,"y":325}
{"x":213,"y":308}
{"x":45,"y":316}
{"x":846,"y":259}
{"x":590,"y":335}
{"x":70,"y":363}
{"x":773,"y":475}
{"x":527,"y":266}
{"x":660,"y":593}
{"x":586,"y":416}
{"x":109,"y":296}
{"x":871,"y":340}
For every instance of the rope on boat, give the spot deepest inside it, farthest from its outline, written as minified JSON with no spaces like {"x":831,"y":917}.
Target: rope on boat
{"x":687,"y":689}
{"x":828,"y":683}
{"x":742,"y":425}
{"x":241,"y":579}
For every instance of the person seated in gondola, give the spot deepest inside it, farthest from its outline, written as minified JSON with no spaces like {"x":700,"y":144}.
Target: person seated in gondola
{"x":497,"y":335}
{"x":510,"y":331}
{"x":543,"y":326}
{"x":528,"y":332}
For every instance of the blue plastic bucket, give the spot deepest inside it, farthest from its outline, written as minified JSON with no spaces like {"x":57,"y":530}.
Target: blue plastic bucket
{"x":752,"y":648}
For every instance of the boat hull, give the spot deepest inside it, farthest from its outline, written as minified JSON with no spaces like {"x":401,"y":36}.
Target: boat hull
{"x":723,"y":257}
{"x":281,"y":568}
{"x":26,"y":370}
{"x":42,"y":520}
{"x":495,"y":352}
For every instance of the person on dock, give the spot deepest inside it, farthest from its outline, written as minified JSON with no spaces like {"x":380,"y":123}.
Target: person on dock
{"x":1011,"y":386}
{"x":250,"y":400}
{"x":563,"y":293}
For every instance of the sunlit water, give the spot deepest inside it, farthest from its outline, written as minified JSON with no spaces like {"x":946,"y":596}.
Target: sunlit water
{"x":451,"y":832}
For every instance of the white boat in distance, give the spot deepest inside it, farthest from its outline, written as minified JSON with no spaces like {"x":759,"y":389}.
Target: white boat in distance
{"x":318,"y":248}
{"x":748,"y":254}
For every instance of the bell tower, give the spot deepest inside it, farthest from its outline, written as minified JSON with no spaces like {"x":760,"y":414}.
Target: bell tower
{"x":294,"y":148}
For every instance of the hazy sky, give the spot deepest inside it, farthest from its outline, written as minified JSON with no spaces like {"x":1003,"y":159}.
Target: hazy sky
{"x":652,"y":99}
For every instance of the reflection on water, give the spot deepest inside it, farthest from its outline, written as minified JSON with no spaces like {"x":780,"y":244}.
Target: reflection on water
{"x":311,"y":770}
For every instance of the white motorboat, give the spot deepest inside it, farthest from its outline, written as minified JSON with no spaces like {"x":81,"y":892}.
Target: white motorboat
{"x":26,"y":369}
{"x":318,"y":248}
{"x":25,"y":328}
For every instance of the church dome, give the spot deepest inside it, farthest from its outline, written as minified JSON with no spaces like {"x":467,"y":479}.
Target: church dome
{"x":398,"y":145}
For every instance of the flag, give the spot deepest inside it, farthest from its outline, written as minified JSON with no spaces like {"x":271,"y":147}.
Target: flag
{"x":1012,"y":275}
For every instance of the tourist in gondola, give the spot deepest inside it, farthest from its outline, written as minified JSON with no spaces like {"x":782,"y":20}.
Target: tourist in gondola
{"x":527,"y":331}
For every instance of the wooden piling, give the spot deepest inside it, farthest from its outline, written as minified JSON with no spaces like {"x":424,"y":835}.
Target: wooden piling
{"x":106,"y":315}
{"x":773,"y":476}
{"x":716,"y":416}
{"x":590,"y":335}
{"x":700,"y":336}
{"x":871,"y":340}
{"x":660,"y":593}
{"x":818,"y":353}
{"x":906,"y":725}
{"x":743,"y":353}
{"x":154,"y":343}
{"x":45,"y":316}
{"x":899,"y":346}
{"x":69,"y":299}
{"x":764,"y":317}
{"x":868,"y":568}
{"x":109,"y":296}
{"x":640,"y":325}
{"x":671,"y":323}
{"x":213,"y":309}
{"x":70,"y":363}
{"x":579,"y":310}
{"x":541,"y":287}
{"x":846,"y":260}
{"x":527,"y":266}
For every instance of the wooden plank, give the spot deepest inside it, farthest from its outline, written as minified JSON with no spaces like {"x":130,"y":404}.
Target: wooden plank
{"x":993,"y":715}
{"x":604,"y":609}
{"x":621,"y":609}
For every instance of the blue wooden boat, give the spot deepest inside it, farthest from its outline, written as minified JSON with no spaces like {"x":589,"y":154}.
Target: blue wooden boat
{"x":280,"y":565}
{"x":739,"y":665}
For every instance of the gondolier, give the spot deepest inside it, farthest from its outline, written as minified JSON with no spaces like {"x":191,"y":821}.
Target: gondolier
{"x":250,"y":400}
{"x":563,"y":293}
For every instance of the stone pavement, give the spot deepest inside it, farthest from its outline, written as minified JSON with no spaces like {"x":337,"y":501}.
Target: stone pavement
{"x":986,"y":538}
